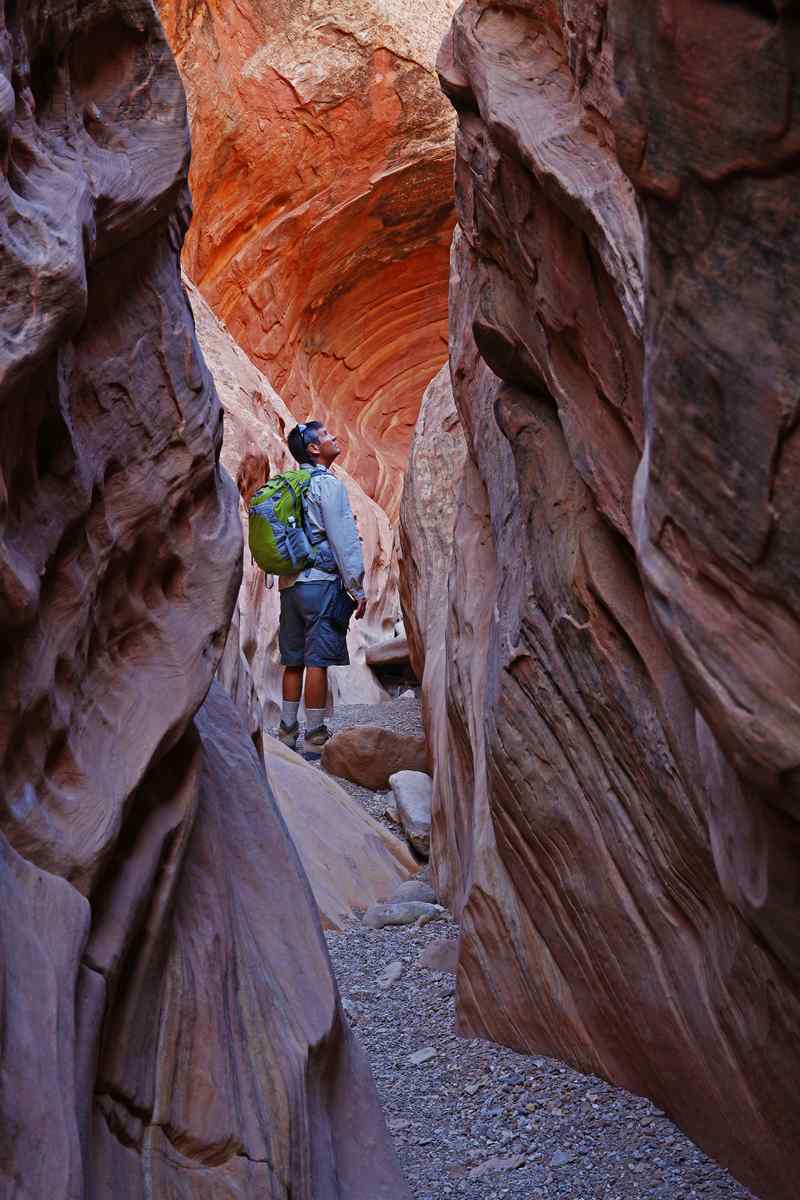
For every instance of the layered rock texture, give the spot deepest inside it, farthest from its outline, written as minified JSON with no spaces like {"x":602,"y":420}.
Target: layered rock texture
{"x":615,"y":809}
{"x":322,"y":182}
{"x":253,"y":449}
{"x":351,"y":860}
{"x":170,"y":1023}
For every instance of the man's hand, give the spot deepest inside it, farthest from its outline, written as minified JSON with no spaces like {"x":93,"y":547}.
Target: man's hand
{"x":362,"y":608}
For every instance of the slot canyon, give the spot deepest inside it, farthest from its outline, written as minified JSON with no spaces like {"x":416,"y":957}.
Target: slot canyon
{"x":535,"y":262}
{"x":322,"y":182}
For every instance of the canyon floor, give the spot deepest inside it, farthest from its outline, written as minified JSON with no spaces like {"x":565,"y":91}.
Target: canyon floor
{"x":477,"y":1121}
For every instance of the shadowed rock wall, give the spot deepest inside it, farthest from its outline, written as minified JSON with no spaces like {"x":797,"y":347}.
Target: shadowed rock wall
{"x":170,"y":1022}
{"x":322,"y":180}
{"x":627,"y":878}
{"x":716,"y":504}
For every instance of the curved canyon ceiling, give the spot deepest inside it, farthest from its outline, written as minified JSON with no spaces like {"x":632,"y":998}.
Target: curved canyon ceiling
{"x":322,"y":187}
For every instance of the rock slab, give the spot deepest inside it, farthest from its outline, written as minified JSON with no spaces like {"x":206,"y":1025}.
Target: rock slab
{"x":351,"y":860}
{"x":413,"y":791}
{"x":391,"y":653}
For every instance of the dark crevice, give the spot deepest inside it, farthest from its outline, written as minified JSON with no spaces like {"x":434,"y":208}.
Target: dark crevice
{"x":759,"y":8}
{"x":44,"y":75}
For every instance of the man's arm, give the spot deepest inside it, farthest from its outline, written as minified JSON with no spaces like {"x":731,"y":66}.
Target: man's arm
{"x":342,"y":535}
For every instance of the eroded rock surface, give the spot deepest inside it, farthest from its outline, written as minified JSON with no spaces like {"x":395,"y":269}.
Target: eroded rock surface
{"x":432,"y":493}
{"x":323,"y":188}
{"x":253,"y":449}
{"x":230,"y":1099}
{"x":716,"y":505}
{"x":170,"y":1022}
{"x":351,"y":860}
{"x":613,"y":812}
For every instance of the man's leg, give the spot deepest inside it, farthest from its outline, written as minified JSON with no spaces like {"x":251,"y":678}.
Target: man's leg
{"x":293,"y":684}
{"x":316,"y":688}
{"x":291,"y":636}
{"x":315,"y":697}
{"x":325,"y":647}
{"x":289,"y":730}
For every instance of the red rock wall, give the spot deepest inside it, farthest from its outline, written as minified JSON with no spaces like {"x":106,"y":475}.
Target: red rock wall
{"x":627,"y":879}
{"x":322,"y":184}
{"x":170,"y":1022}
{"x":716,"y":503}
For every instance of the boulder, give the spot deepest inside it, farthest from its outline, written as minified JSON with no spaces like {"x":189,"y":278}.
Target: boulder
{"x":390,"y":975}
{"x":441,"y":955}
{"x":350,"y":859}
{"x":412,"y":792}
{"x":414,"y":889}
{"x":327,"y":257}
{"x":403,"y":912}
{"x":368,"y":755}
{"x":615,"y":809}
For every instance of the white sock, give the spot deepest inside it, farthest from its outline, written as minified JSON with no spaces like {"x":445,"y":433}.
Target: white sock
{"x":314,"y":718}
{"x":289,"y":712}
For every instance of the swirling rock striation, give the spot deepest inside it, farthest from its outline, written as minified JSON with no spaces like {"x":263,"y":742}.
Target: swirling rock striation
{"x":322,"y":181}
{"x":614,"y":816}
{"x":170,"y":1022}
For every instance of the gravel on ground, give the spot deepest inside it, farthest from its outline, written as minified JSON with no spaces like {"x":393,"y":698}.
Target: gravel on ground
{"x":476,"y":1121}
{"x":473,"y":1120}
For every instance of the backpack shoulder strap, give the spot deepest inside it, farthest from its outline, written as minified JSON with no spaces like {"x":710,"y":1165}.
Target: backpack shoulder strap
{"x":315,"y":542}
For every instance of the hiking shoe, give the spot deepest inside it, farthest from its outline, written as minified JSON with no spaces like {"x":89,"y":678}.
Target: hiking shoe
{"x":288,"y":734}
{"x":316,"y":738}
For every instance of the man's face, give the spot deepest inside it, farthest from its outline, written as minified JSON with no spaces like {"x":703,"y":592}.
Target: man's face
{"x":327,"y":445}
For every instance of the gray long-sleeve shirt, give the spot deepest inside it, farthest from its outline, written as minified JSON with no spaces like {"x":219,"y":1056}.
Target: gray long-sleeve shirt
{"x":328,"y":512}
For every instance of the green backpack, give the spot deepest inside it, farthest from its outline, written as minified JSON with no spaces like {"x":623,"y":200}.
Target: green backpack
{"x":276,"y":530}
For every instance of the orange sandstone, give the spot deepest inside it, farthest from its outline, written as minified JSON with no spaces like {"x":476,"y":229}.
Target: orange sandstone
{"x":322,"y":184}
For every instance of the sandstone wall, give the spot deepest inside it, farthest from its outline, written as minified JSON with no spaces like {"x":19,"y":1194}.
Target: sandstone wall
{"x":253,"y":448}
{"x":615,"y":818}
{"x":170,"y":1022}
{"x":322,"y":183}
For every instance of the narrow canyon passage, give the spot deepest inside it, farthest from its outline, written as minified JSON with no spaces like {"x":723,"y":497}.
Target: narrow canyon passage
{"x":474,"y":1120}
{"x":517,"y":915}
{"x":322,"y":182}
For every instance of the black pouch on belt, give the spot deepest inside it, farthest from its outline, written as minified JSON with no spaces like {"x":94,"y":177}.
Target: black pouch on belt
{"x":342,"y":609}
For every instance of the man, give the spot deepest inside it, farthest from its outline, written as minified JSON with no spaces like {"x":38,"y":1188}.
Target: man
{"x":313,"y":631}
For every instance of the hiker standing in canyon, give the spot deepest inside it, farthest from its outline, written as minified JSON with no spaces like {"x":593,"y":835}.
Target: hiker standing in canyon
{"x":318,"y":601}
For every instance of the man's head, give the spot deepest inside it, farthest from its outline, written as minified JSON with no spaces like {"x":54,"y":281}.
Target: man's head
{"x":311,"y":444}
